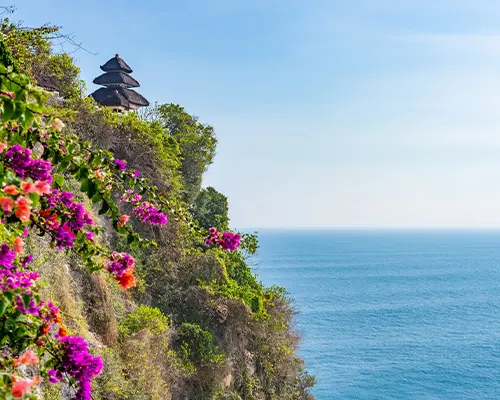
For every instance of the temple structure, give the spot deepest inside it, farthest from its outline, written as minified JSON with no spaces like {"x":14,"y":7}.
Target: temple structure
{"x":117,"y":93}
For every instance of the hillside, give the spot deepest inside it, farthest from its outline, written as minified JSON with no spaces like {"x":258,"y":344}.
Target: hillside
{"x":171,"y":314}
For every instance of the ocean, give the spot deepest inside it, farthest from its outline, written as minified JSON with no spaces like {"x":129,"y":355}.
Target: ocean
{"x":392,"y":315}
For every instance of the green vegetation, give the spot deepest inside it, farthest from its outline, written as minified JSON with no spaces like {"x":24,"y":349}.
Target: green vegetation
{"x":198,"y":345}
{"x":199,"y":325}
{"x":211,"y":209}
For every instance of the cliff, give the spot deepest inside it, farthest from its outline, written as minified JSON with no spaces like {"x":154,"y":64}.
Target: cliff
{"x":198,"y":324}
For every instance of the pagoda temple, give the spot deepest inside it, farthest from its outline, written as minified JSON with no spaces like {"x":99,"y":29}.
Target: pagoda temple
{"x":116,"y":93}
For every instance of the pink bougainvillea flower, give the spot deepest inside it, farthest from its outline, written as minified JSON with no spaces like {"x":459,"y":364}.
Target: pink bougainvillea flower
{"x":3,"y":146}
{"x":27,"y":358}
{"x":42,"y":187}
{"x":23,"y":208}
{"x":28,"y":187}
{"x":7,"y":203}
{"x":123,"y":220}
{"x":8,"y":94}
{"x":11,"y":189}
{"x":18,"y":245}
{"x":120,"y":164}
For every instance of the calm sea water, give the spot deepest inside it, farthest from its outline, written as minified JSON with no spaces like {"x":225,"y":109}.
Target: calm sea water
{"x":393,"y":315}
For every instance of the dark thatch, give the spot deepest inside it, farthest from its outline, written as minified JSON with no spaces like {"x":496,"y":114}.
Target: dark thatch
{"x":116,"y":79}
{"x":116,"y":64}
{"x":114,"y":97}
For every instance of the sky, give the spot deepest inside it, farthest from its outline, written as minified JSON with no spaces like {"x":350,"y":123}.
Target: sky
{"x":344,"y":114}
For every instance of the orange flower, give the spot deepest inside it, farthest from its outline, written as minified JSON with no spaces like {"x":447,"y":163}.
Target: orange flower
{"x":28,"y":187}
{"x":45,"y":213}
{"x":123,"y":220}
{"x":42,"y":187}
{"x":62,"y":332}
{"x":99,"y":175}
{"x":18,"y":245}
{"x":11,"y":189}
{"x":7,"y":203}
{"x":127,"y":280}
{"x":23,"y":209}
{"x":3,"y":146}
{"x":44,"y":330}
{"x":21,"y":386}
{"x":27,"y":358}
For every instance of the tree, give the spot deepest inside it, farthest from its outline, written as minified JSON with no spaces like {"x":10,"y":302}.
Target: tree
{"x":211,"y":209}
{"x":197,"y":144}
{"x":35,"y":56}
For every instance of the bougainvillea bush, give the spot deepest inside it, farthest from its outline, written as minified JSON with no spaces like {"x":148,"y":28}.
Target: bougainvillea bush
{"x":36,"y":155}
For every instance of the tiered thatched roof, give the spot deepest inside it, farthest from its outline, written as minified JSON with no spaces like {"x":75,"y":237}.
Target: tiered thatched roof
{"x":116,"y":64}
{"x":119,"y":97}
{"x":117,"y":81}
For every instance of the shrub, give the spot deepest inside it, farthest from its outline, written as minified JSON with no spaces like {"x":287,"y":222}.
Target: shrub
{"x":198,"y":345}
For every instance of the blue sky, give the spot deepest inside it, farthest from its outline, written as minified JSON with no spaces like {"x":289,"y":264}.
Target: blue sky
{"x":329,"y":113}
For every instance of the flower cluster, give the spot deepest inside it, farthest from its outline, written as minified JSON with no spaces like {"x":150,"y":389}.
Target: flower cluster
{"x":227,"y":240}
{"x":20,"y":386}
{"x":122,"y":266}
{"x":20,"y":160}
{"x":79,"y":364}
{"x":120,"y":164}
{"x":119,"y":263}
{"x":21,"y":204}
{"x":144,"y":210}
{"x":64,"y":218}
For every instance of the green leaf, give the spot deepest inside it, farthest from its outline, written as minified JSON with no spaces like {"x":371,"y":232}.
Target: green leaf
{"x":10,"y":325}
{"x":63,"y":165}
{"x":84,"y":172}
{"x":8,"y":111}
{"x":26,"y":298}
{"x":20,"y":332}
{"x":104,"y":208}
{"x":58,"y":178}
{"x":130,"y":238}
{"x":96,"y":197}
{"x":4,"y":303}
{"x":28,"y":117}
{"x":8,"y":296}
{"x":35,"y":199}
{"x":92,"y":189}
{"x":84,"y":186}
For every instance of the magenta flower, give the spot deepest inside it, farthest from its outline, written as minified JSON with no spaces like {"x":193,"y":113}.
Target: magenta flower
{"x":20,"y":160}
{"x":120,"y":164}
{"x":227,"y":241}
{"x":80,"y":364}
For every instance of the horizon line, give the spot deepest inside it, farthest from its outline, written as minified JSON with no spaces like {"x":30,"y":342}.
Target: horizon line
{"x":371,"y":228}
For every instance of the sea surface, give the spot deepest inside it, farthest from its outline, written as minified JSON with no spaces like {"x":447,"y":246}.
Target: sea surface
{"x":392,"y":315}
